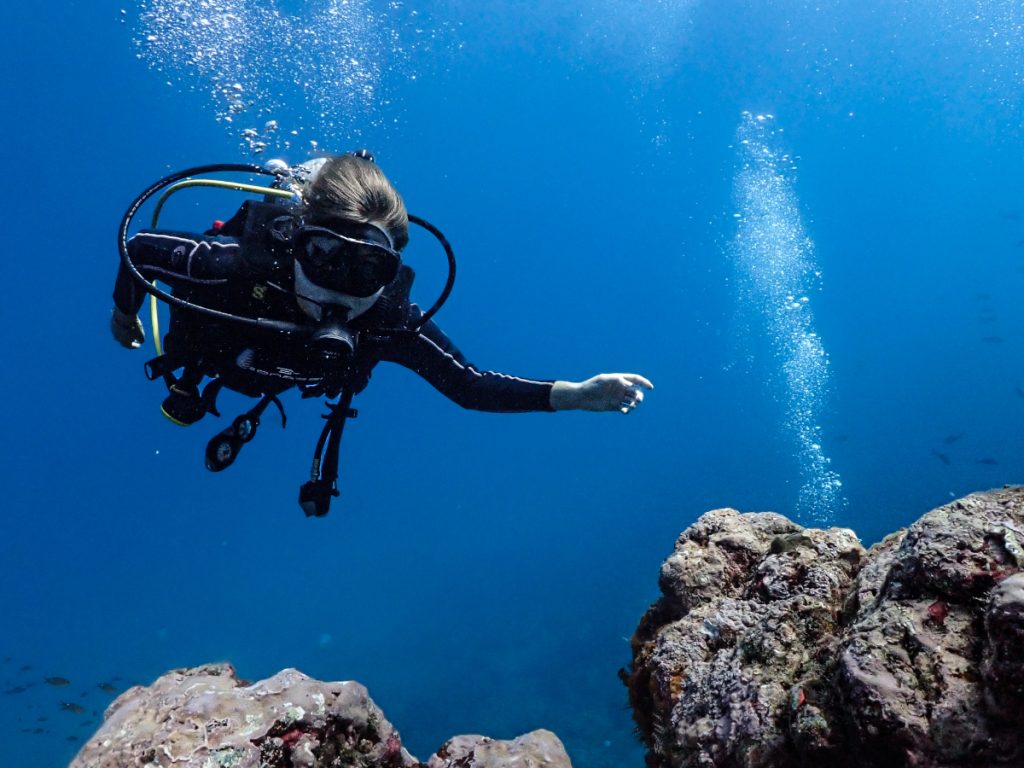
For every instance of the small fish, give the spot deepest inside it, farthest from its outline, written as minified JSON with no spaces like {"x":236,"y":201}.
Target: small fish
{"x":17,"y":689}
{"x":58,"y":681}
{"x":107,"y":688}
{"x":25,"y":668}
{"x":42,"y":719}
{"x":74,"y":738}
{"x":70,"y":706}
{"x":987,"y":461}
{"x":942,"y":457}
{"x":955,"y":437}
{"x":993,"y":339}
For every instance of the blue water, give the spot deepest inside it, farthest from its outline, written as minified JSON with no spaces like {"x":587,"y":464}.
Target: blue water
{"x":481,"y":573}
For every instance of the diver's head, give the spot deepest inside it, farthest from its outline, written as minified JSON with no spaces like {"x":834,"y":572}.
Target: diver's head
{"x":347,"y":247}
{"x":352,"y":188}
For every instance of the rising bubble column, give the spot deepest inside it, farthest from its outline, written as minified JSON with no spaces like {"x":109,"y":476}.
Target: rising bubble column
{"x":775,"y":259}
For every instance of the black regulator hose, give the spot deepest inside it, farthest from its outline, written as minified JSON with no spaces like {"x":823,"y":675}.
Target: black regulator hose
{"x":450,"y":283}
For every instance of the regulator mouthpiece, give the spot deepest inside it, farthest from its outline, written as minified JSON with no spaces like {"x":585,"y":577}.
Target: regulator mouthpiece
{"x":333,"y":341}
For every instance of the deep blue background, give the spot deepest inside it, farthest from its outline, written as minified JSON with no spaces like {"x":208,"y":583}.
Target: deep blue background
{"x":482,"y":572}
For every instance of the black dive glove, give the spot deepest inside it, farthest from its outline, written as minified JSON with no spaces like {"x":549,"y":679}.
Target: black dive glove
{"x":126,"y":329}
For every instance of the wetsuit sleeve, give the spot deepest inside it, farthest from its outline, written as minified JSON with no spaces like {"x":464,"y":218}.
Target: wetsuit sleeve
{"x":431,"y":354}
{"x":177,"y":259}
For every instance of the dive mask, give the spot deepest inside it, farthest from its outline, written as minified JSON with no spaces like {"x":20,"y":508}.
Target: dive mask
{"x":358,"y":261}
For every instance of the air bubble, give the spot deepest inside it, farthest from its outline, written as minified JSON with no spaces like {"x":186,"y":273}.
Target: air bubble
{"x":252,"y":59}
{"x":775,"y":257}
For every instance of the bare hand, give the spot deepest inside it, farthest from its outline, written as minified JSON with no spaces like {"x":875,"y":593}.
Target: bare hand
{"x":621,"y":392}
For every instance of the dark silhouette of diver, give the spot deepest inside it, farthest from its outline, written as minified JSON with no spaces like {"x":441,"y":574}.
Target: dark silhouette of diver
{"x":307,"y":289}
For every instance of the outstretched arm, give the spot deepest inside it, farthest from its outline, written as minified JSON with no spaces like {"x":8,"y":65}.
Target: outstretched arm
{"x":432,"y":355}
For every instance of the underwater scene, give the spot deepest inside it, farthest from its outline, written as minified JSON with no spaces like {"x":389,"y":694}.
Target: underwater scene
{"x":801,"y":222}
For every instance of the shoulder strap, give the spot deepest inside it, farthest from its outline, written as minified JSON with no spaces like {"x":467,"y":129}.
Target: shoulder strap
{"x":235,"y":226}
{"x":266,"y":236}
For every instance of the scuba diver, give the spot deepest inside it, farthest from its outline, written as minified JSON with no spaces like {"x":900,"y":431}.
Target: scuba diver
{"x":307,"y":289}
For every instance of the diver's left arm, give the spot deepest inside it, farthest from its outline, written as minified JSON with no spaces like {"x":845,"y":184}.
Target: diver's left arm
{"x":621,"y":392}
{"x":431,"y":354}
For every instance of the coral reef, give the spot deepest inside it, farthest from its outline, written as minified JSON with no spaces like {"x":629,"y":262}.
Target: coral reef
{"x":205,"y":717}
{"x":776,"y":645}
{"x":539,"y":749}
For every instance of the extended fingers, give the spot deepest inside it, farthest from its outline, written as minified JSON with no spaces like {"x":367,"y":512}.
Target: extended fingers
{"x":632,"y":396}
{"x":621,"y":392}
{"x":637,"y":379}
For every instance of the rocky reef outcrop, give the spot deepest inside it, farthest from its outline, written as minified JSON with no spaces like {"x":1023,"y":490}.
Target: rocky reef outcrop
{"x":775,"y":645}
{"x":206,"y":717}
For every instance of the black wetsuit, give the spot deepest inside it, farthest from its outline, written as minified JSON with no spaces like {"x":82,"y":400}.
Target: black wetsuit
{"x":212,"y":271}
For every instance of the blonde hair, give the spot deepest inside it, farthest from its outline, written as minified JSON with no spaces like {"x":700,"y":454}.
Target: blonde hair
{"x":356,"y":189}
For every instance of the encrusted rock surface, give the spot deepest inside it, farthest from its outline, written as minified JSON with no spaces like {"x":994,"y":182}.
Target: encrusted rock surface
{"x":539,"y":749}
{"x":776,"y":645}
{"x":205,"y":717}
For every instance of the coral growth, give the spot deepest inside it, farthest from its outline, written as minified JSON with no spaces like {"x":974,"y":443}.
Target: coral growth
{"x":206,"y":717}
{"x":775,"y":645}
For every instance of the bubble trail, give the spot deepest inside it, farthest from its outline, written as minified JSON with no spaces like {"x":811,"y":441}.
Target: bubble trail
{"x":320,"y":71}
{"x":775,"y":258}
